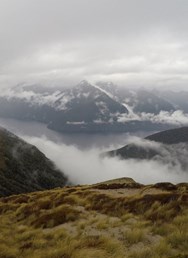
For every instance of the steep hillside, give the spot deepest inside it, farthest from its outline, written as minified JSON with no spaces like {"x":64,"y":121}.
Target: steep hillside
{"x":170,"y":146}
{"x":114,"y":219}
{"x":173,"y":136}
{"x":23,"y":168}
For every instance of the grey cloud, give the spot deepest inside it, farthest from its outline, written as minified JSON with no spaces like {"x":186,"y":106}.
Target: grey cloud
{"x":133,"y":42}
{"x":176,"y":118}
{"x":82,"y":172}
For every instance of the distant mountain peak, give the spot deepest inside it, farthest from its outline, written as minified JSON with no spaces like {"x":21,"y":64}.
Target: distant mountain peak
{"x":84,"y":83}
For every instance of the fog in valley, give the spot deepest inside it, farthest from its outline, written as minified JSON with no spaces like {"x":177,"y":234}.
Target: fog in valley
{"x":79,"y":155}
{"x":116,"y":69}
{"x":86,"y":167}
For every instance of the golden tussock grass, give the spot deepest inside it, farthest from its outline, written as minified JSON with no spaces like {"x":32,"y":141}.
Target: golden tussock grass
{"x":77,"y":222}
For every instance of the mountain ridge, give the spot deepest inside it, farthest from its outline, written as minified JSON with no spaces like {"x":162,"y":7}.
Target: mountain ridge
{"x":87,"y":108}
{"x":169,"y":147}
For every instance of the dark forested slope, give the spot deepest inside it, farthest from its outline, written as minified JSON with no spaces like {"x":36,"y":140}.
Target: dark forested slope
{"x":170,"y":146}
{"x":23,"y":168}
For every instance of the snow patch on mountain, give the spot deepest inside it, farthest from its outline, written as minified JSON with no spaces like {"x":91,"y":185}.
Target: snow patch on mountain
{"x":76,"y":123}
{"x":104,"y":91}
{"x":61,"y":103}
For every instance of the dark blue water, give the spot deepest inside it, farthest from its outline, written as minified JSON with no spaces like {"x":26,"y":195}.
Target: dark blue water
{"x":81,"y":141}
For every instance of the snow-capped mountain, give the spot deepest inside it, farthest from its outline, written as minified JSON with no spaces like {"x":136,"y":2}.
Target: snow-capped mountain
{"x":89,"y":104}
{"x":100,"y":107}
{"x":139,"y":101}
{"x":81,"y":105}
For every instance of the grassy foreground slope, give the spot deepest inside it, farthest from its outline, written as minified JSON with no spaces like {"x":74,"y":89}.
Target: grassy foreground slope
{"x":118,"y":218}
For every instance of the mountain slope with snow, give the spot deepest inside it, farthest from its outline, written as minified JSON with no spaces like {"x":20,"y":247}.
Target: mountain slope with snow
{"x":100,"y":107}
{"x":140,"y":101}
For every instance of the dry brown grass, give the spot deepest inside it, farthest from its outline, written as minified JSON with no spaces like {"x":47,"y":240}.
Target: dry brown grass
{"x":77,"y":222}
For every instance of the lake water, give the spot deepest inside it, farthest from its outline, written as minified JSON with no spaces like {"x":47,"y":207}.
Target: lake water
{"x":78,"y":155}
{"x":81,"y":141}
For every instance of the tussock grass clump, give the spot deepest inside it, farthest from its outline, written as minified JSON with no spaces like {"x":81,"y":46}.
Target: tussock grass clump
{"x":92,"y":253}
{"x":44,"y":204}
{"x":160,"y":250}
{"x":134,"y":236}
{"x":8,"y":207}
{"x":8,"y":252}
{"x":103,"y":224}
{"x":112,"y":247}
{"x":175,"y":232}
{"x":162,"y":229}
{"x":143,"y":253}
{"x":179,"y":240}
{"x":27,"y":210}
{"x":57,"y":254}
{"x":181,"y":222}
{"x":27,"y":235}
{"x":164,"y":212}
{"x":106,"y":204}
{"x":55,"y":217}
{"x":74,"y":200}
{"x":126,"y":217}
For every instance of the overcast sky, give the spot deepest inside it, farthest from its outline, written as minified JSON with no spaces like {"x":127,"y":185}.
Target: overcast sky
{"x":129,"y":42}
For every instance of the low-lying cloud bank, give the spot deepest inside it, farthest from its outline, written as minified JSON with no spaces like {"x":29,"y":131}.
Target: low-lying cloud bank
{"x":172,"y":155}
{"x":87,"y":167}
{"x":177,"y":117}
